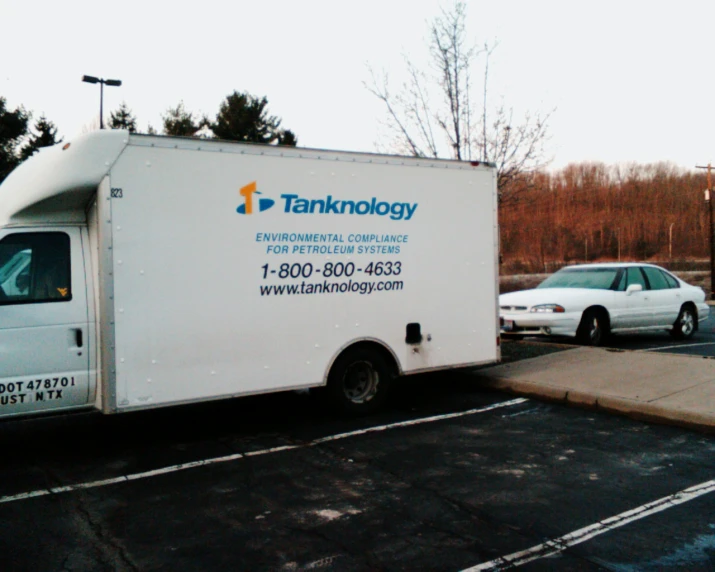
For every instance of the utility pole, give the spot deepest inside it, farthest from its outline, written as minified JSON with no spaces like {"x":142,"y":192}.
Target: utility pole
{"x":709,"y":200}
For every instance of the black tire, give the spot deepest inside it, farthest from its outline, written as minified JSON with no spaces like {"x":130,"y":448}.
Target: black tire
{"x":685,"y":324}
{"x":359,"y":380}
{"x":593,"y":329}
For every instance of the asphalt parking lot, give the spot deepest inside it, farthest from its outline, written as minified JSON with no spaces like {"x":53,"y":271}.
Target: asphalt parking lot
{"x":701,"y":344}
{"x":450,"y":477}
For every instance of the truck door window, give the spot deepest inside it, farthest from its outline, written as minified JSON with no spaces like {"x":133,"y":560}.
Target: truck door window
{"x":35,"y":268}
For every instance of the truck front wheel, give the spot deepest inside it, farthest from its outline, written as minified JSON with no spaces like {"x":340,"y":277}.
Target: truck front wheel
{"x":359,"y":380}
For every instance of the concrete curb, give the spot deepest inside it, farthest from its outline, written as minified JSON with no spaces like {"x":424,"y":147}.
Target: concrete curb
{"x":643,"y":411}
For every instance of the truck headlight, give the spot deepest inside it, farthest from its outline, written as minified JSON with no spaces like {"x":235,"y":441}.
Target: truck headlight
{"x":548,"y":309}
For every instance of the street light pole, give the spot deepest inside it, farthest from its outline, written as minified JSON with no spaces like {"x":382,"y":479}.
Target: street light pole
{"x":101,"y":82}
{"x":709,"y":200}
{"x":670,"y":241}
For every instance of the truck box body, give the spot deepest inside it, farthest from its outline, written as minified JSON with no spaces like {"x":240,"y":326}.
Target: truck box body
{"x":207,"y":269}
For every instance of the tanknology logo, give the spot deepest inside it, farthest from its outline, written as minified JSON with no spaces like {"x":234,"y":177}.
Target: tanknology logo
{"x":327,"y":205}
{"x":251,"y":205}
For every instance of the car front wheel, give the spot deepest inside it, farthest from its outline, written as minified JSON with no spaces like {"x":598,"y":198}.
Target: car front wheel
{"x":593,"y":329}
{"x":684,"y":326}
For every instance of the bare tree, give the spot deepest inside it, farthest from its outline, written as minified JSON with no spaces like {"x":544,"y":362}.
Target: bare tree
{"x":517,"y":150}
{"x":451,"y":59}
{"x":449,"y":128}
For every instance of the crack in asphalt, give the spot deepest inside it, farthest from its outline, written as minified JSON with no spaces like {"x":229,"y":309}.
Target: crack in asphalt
{"x":110,"y":552}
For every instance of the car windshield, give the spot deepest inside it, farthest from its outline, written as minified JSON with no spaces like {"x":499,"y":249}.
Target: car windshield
{"x":595,"y":278}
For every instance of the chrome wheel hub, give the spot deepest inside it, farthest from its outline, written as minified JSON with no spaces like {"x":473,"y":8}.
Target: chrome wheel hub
{"x":687,"y":323}
{"x":360,"y":382}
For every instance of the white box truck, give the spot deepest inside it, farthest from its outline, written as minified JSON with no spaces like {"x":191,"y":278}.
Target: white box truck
{"x":143,"y":271}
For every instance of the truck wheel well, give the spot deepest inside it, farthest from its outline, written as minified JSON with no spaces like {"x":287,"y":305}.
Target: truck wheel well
{"x":375,"y":346}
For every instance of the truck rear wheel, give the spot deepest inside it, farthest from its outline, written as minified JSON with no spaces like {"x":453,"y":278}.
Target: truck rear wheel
{"x":359,"y":380}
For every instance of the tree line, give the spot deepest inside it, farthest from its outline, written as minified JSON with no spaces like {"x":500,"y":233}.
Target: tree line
{"x":584,"y":212}
{"x":592,"y":211}
{"x":241,"y":117}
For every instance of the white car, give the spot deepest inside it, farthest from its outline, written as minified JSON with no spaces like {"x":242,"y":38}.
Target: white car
{"x":591,"y":301}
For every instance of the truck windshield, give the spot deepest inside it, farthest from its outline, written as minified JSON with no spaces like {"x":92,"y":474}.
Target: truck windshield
{"x":594,"y":278}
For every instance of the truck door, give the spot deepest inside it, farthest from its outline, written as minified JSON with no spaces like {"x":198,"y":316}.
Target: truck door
{"x":44,"y":353}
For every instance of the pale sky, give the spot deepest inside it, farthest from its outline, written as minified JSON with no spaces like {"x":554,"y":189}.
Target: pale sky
{"x":630,"y":80}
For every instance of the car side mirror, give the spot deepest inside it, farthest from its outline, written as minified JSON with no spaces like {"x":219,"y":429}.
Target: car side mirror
{"x":633,"y":288}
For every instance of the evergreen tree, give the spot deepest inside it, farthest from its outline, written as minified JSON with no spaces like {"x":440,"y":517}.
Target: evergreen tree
{"x":180,"y":122}
{"x":243,"y":117}
{"x":287,"y":137}
{"x":123,"y":119}
{"x":13,"y":127}
{"x":44,"y":135}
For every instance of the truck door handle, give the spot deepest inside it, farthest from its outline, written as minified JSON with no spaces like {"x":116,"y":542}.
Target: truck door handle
{"x":78,"y":337}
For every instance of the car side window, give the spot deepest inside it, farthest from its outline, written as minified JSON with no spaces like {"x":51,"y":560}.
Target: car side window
{"x":655,"y":278}
{"x":35,"y":268}
{"x":672,"y":282}
{"x":635,"y":276}
{"x":621,"y":282}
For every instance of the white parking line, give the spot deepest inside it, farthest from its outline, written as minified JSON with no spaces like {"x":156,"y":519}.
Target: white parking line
{"x":561,"y":543}
{"x":679,"y":346}
{"x":237,"y":456}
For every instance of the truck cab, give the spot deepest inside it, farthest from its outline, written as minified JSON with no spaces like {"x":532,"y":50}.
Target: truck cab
{"x":44,"y":345}
{"x":48,"y":334}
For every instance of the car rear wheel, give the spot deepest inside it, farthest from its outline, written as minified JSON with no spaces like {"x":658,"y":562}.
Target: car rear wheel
{"x":684,"y":326}
{"x":593,"y":329}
